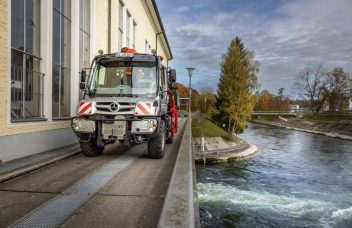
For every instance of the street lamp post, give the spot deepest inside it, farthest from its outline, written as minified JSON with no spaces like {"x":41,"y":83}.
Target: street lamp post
{"x":190,"y":71}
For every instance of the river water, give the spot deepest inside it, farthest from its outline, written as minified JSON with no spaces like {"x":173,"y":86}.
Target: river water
{"x":297,"y":180}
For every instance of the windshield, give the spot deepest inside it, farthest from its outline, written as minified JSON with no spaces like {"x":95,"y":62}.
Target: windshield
{"x":124,"y":79}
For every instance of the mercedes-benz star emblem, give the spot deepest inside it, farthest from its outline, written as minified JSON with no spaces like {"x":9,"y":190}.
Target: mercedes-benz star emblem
{"x":114,"y":107}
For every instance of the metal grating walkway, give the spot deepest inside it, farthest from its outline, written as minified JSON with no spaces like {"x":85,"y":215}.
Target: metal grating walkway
{"x":58,"y":210}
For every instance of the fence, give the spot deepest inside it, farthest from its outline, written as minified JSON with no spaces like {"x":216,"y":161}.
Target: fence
{"x":27,"y":91}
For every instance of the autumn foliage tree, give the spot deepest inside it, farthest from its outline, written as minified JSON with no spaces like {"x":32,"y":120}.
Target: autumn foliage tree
{"x":337,"y":89}
{"x":263,"y":101}
{"x":238,"y":79}
{"x":207,"y":102}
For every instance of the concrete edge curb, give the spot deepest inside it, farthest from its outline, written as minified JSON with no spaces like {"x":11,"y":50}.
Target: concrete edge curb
{"x":248,"y":152}
{"x":26,"y":169}
{"x":178,"y":208}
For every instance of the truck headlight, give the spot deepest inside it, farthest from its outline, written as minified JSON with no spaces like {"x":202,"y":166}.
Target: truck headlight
{"x":82,"y":125}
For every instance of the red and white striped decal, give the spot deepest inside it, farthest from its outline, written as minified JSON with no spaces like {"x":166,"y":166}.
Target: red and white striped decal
{"x":145,"y":108}
{"x":85,"y":107}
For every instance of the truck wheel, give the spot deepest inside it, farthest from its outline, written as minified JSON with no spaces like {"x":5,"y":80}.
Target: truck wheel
{"x":170,"y":140}
{"x":90,"y":149}
{"x":156,"y":145}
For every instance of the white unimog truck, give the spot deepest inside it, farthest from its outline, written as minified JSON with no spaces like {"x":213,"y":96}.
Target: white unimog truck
{"x":130,"y":98}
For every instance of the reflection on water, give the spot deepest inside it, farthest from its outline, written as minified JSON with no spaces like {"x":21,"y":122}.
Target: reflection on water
{"x":298,"y":179}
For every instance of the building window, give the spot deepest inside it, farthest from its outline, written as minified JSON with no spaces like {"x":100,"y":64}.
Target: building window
{"x":128,"y":28}
{"x":84,"y":34}
{"x":27,"y":83}
{"x":134,"y":34}
{"x":120,"y":24}
{"x":61,"y":69}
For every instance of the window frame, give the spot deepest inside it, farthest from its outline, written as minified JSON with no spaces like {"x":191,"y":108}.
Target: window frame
{"x":134,"y":28}
{"x":26,"y":82}
{"x":61,"y":65}
{"x":128,"y":28}
{"x":120,"y":25}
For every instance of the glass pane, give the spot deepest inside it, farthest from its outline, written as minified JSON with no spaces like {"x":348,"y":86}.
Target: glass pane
{"x":120,"y":40}
{"x":16,"y":59}
{"x":86,"y":14}
{"x":33,"y":27}
{"x":65,"y":92}
{"x":56,"y":4}
{"x":86,"y":50}
{"x":55,"y":90}
{"x":65,"y":42}
{"x":66,"y":8}
{"x":34,"y":91}
{"x":17,"y":24}
{"x":134,"y":33}
{"x":56,"y":37}
{"x":81,"y":5}
{"x":128,"y":26}
{"x":16,"y":84}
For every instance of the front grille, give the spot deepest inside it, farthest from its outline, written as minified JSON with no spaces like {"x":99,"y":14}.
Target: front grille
{"x":123,"y":107}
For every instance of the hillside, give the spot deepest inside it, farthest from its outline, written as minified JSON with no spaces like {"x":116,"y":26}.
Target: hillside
{"x":183,"y":91}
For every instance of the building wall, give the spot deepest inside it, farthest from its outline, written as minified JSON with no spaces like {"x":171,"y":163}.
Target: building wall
{"x":146,"y":29}
{"x":3,"y":64}
{"x":40,"y":136}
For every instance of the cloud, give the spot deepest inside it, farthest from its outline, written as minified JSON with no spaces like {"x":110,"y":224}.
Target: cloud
{"x":182,"y":9}
{"x":285,"y":35}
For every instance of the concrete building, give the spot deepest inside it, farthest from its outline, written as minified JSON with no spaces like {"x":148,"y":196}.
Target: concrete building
{"x":45,"y":44}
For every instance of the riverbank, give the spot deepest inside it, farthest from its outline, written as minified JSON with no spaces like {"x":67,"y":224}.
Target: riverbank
{"x":336,"y":130}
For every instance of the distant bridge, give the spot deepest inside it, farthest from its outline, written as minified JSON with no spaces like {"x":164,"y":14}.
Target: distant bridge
{"x":273,"y":113}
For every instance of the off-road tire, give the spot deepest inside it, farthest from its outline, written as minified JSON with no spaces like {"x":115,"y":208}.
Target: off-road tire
{"x":90,"y":149}
{"x":156,"y":145}
{"x":170,"y":140}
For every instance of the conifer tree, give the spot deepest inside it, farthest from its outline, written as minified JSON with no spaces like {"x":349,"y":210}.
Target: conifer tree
{"x":238,"y":79}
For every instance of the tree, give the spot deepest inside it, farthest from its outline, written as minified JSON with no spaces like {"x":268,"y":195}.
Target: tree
{"x":264,"y":100}
{"x":281,"y":93}
{"x":310,"y":85}
{"x":207,"y":102}
{"x":238,"y":79}
{"x":337,"y":89}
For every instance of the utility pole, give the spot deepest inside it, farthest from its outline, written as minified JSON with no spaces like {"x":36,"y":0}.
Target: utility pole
{"x":190,"y":72}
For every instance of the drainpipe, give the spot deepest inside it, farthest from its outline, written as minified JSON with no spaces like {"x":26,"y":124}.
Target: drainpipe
{"x":156,"y":41}
{"x":109,"y":26}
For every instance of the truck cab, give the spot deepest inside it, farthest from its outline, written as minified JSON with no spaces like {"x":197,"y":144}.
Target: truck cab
{"x":127,"y":97}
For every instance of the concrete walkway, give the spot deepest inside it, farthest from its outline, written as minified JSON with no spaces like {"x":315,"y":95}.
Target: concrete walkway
{"x":23,"y":165}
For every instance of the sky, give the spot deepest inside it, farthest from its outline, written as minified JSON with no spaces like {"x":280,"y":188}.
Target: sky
{"x":286,"y":36}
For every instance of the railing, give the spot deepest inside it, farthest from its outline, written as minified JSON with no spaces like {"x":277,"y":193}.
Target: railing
{"x":179,"y":208}
{"x":273,"y":113}
{"x":27,"y":94}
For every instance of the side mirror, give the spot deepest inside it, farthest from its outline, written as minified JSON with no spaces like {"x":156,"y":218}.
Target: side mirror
{"x":173,"y":75}
{"x":82,"y":86}
{"x":173,"y":85}
{"x":83,"y":76}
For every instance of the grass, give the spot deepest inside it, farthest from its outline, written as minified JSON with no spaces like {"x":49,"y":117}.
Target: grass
{"x":263,"y":121}
{"x":210,"y":129}
{"x":330,"y":118}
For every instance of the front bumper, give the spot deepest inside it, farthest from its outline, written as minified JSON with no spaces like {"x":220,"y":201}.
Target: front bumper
{"x":118,"y":127}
